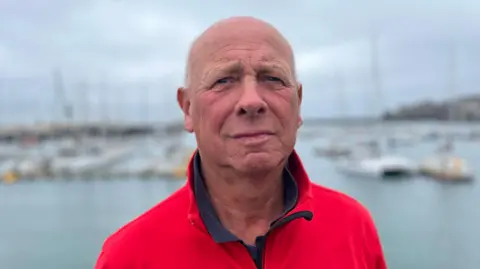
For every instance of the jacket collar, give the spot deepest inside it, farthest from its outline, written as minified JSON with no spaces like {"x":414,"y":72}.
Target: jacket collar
{"x":295,"y":167}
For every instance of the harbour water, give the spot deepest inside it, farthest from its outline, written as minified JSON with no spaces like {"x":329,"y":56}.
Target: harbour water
{"x":423,"y":223}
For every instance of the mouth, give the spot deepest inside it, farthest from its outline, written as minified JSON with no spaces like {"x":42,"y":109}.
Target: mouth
{"x":253,"y":135}
{"x":253,"y":139}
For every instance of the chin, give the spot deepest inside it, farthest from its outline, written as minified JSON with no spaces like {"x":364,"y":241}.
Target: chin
{"x":258,"y":162}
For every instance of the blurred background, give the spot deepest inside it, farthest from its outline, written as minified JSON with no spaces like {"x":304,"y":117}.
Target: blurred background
{"x":91,"y":136}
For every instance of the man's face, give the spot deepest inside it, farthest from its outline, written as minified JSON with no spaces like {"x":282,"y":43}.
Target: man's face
{"x":243,"y":102}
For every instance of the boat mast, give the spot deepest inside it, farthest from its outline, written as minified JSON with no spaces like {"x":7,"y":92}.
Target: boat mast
{"x":376,"y":81}
{"x":340,"y":85}
{"x":452,"y":77}
{"x":375,"y":72}
{"x":103,"y":99}
{"x":3,"y":97}
{"x":60,"y":96}
{"x":452,"y":88}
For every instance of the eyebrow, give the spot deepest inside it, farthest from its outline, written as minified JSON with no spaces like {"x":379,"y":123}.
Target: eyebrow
{"x":265,"y":67}
{"x":237,"y":67}
{"x":225,"y":68}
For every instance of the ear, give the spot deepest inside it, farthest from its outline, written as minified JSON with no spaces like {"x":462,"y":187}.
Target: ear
{"x":184,"y":102}
{"x":299,"y":95}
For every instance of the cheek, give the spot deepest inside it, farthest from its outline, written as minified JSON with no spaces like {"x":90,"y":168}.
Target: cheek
{"x":210,"y":114}
{"x":286,"y":108}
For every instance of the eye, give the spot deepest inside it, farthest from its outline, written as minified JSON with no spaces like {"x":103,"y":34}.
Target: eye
{"x":224,"y":80}
{"x":223,"y":83}
{"x":269,"y":78}
{"x":272,"y":79}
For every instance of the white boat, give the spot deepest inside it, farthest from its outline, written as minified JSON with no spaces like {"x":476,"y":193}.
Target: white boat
{"x":7,"y":166}
{"x":339,"y":145}
{"x":447,"y":167}
{"x":382,"y":166}
{"x":167,"y":169}
{"x":92,"y":160}
{"x":135,"y":166}
{"x":370,"y":162}
{"x":31,"y":167}
{"x":334,"y":149}
{"x":173,"y":165}
{"x":10,"y":151}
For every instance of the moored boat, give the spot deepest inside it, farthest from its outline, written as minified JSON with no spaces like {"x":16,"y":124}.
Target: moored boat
{"x":449,"y":168}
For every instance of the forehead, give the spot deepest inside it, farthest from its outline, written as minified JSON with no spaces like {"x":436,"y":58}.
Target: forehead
{"x":237,"y":54}
{"x":236,"y":49}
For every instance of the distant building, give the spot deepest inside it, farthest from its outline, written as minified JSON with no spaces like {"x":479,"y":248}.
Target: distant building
{"x":463,"y":109}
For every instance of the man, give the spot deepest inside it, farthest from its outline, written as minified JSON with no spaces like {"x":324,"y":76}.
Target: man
{"x":248,"y":202}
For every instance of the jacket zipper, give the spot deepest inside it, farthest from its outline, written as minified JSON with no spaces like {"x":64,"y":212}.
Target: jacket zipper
{"x":308,"y":215}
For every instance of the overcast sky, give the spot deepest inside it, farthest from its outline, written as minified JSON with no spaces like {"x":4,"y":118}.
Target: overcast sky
{"x":125,"y":58}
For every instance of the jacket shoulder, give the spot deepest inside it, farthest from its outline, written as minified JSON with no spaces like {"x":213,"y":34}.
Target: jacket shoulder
{"x":330,"y":200}
{"x":134,"y":237}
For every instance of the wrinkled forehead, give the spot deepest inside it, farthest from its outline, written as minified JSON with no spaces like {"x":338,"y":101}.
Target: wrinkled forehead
{"x":233,"y":51}
{"x":242,"y":65}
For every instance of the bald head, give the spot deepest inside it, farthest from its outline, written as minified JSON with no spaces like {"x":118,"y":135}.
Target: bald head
{"x":242,"y":28}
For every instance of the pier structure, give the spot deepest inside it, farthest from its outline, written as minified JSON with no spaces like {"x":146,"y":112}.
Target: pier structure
{"x":94,"y":150}
{"x":12,"y":133}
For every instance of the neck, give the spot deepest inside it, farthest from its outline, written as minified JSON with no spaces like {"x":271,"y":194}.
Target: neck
{"x":245,"y":205}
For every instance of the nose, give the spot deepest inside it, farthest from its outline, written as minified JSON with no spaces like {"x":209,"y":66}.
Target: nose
{"x":251,"y":103}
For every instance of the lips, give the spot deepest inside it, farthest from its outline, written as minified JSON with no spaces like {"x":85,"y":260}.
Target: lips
{"x":252,"y":134}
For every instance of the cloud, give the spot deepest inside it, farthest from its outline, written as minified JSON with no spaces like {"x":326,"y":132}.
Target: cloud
{"x":101,"y":36}
{"x":129,"y":44}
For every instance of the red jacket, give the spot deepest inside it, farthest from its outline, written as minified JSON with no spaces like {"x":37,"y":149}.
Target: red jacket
{"x":171,"y":235}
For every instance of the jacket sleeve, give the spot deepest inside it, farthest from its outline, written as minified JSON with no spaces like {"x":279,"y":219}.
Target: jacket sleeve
{"x":113,"y":258}
{"x":376,"y":258}
{"x":377,"y":252}
{"x":102,"y":261}
{"x":380,"y":262}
